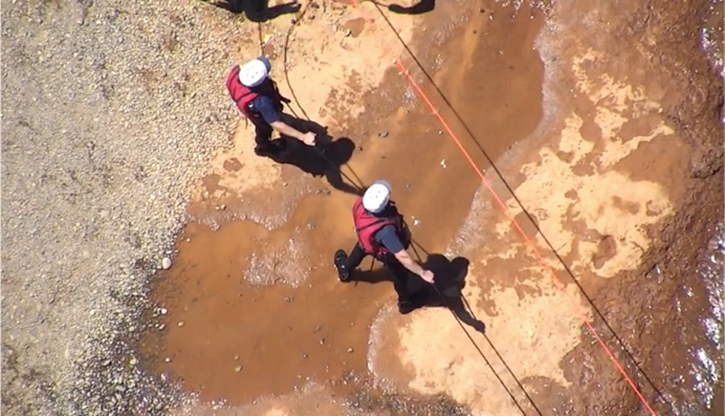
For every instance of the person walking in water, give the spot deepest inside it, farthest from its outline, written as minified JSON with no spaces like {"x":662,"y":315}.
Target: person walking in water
{"x":383,"y":234}
{"x":258,"y":98}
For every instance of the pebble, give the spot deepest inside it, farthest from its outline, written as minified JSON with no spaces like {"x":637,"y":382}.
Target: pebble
{"x":383,"y":134}
{"x":167,"y":359}
{"x":166,"y":263}
{"x":163,"y":311}
{"x":238,"y":368}
{"x":443,"y":163}
{"x":133,"y":362}
{"x":181,"y":323}
{"x":350,"y":350}
{"x":304,"y":355}
{"x":161,"y":327}
{"x":236,"y":358}
{"x":322,"y":341}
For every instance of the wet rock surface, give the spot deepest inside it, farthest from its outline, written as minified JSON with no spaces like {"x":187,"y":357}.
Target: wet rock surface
{"x":102,"y":144}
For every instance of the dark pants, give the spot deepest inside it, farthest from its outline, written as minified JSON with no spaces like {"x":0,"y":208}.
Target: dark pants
{"x":263,"y":132}
{"x":400,"y":273}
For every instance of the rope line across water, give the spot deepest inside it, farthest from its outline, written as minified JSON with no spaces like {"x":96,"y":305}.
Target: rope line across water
{"x":504,"y":209}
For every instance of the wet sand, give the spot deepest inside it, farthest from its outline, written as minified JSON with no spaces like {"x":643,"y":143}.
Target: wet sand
{"x":591,"y":148}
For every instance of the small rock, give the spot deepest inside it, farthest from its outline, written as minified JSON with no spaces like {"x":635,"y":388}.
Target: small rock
{"x":167,"y":359}
{"x":288,"y":299}
{"x":350,"y":350}
{"x":304,"y":355}
{"x":236,"y":358}
{"x":383,"y":134}
{"x":322,"y":341}
{"x":161,"y":327}
{"x":238,"y":368}
{"x":443,"y":163}
{"x":166,"y":263}
{"x":481,"y":10}
{"x":163,"y":311}
{"x":107,"y":363}
{"x":407,"y":185}
{"x":440,"y":132}
{"x":348,"y":33}
{"x":133,"y":362}
{"x":181,"y":323}
{"x":222,"y":207}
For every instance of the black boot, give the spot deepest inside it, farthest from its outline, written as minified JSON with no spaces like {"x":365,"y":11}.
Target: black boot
{"x":342,"y":273}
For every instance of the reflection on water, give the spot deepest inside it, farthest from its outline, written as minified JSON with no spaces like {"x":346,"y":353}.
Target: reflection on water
{"x":711,"y":34}
{"x":706,"y":370}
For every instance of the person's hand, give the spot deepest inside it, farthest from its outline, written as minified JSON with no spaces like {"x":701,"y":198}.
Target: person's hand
{"x":428,"y":276}
{"x":308,"y":139}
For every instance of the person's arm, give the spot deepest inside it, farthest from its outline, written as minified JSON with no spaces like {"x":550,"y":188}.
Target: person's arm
{"x":388,"y":237}
{"x":283,"y":128}
{"x":271,"y":115}
{"x":406,"y":260}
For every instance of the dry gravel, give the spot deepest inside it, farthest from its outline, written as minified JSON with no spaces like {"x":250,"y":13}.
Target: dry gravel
{"x":110,"y":110}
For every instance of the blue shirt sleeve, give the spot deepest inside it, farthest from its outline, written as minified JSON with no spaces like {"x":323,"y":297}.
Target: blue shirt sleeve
{"x":388,"y":237}
{"x":266,"y":108}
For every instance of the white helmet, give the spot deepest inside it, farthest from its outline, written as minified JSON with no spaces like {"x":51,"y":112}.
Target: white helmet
{"x":253,"y":73}
{"x":377,"y":196}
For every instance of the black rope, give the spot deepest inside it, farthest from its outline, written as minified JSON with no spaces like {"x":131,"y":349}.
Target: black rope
{"x":523,"y":208}
{"x":475,"y":345}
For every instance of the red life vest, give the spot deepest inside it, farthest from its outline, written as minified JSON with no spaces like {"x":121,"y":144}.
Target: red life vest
{"x":243,"y":96}
{"x":367,"y":224}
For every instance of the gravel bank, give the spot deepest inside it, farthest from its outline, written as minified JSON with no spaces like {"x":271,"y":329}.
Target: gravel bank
{"x":111,"y":109}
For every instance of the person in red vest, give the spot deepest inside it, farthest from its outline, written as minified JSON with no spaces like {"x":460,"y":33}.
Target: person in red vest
{"x":383,"y":234}
{"x":258,"y":99}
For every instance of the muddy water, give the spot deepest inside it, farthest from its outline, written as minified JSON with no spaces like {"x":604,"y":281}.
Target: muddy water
{"x":262,"y":313}
{"x":252,"y":311}
{"x":601,"y":176}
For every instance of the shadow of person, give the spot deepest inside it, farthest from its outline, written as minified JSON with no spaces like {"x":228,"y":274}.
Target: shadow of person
{"x":325,"y":159}
{"x":424,"y":6}
{"x":257,"y":11}
{"x":450,"y":279}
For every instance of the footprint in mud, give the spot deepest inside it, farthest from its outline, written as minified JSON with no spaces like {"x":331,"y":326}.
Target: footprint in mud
{"x":606,"y":250}
{"x":232,"y":165}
